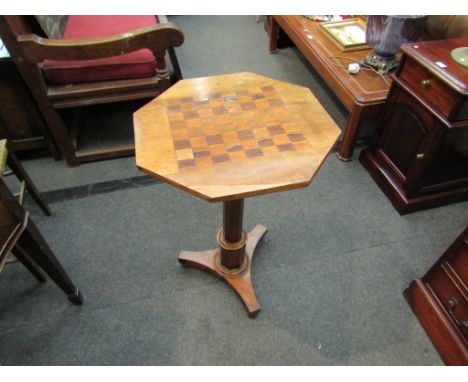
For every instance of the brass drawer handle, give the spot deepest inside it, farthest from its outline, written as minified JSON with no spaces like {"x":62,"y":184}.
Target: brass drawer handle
{"x":419,"y":155}
{"x":453,"y":303}
{"x":426,"y":83}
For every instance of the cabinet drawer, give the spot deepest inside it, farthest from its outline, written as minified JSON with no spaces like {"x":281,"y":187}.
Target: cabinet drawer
{"x":430,"y":89}
{"x":448,"y":293}
{"x":460,"y":261}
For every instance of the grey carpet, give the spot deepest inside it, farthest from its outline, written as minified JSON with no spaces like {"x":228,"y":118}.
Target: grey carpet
{"x":329,"y":278}
{"x":329,"y":275}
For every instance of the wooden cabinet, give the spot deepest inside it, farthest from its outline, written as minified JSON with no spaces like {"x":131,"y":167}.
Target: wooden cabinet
{"x":440,"y":302}
{"x":419,"y":155}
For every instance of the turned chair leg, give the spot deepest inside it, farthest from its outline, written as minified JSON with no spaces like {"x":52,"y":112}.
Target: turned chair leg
{"x":175,"y":64}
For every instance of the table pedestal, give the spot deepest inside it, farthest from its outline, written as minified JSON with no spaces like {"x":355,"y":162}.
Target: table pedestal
{"x":232,"y":260}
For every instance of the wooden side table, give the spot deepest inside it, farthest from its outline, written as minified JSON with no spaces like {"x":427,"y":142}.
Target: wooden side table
{"x":419,"y":155}
{"x":226,"y":138}
{"x":362,"y":94}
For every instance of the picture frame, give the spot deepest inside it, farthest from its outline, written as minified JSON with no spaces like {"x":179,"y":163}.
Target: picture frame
{"x":347,"y":35}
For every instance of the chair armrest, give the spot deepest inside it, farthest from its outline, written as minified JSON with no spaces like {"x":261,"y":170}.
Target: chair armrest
{"x":158,"y":38}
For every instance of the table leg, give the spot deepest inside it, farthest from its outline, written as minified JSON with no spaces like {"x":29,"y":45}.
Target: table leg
{"x":274,"y":30}
{"x":232,"y":260}
{"x":350,"y":134}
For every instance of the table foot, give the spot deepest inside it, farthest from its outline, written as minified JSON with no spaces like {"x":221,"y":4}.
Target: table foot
{"x":76,"y":297}
{"x":343,"y":158}
{"x":238,"y":279}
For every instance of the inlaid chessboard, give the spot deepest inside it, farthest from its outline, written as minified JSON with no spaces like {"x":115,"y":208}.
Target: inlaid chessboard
{"x":231,"y":126}
{"x":234,"y":135}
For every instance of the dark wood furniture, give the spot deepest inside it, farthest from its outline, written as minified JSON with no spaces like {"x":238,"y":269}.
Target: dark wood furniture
{"x":9,"y":158}
{"x":20,"y":120}
{"x":362,"y":94}
{"x":440,"y":302}
{"x":419,"y":155}
{"x":225,"y":138}
{"x":20,"y":236}
{"x":29,"y":50}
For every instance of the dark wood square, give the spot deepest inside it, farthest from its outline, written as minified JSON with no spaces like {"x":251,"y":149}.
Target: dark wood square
{"x":186,"y":163}
{"x":245,"y":134}
{"x":220,"y":158}
{"x":277,"y":129}
{"x":182,"y":144}
{"x":296,"y":137}
{"x":190,"y":114}
{"x":248,"y":106}
{"x":275,"y":102}
{"x":251,"y":153}
{"x":266,"y":142}
{"x":285,"y":147}
{"x":214,"y":139}
{"x":201,"y":154}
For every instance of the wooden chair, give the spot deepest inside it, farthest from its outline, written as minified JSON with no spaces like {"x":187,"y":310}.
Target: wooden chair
{"x":33,"y":52}
{"x":19,"y":235}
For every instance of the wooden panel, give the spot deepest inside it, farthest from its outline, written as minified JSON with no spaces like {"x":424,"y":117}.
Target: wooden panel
{"x":18,"y":115}
{"x":436,"y":93}
{"x":402,"y":122}
{"x":430,"y":300}
{"x":406,"y":139}
{"x":430,"y":54}
{"x":460,"y":262}
{"x":8,"y":223}
{"x":446,"y":339}
{"x":449,"y":165}
{"x":446,"y":286}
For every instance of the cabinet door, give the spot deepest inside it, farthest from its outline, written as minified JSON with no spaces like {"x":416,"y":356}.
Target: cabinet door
{"x":408,"y":136}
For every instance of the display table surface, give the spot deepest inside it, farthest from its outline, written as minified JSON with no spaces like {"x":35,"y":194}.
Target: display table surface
{"x":228,"y":137}
{"x":363,"y":94}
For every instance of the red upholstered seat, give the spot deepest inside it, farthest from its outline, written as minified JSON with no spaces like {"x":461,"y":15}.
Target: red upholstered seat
{"x":138,"y":64}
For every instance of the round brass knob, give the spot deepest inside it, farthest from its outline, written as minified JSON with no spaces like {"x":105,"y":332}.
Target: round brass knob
{"x":425,"y":83}
{"x":419,"y":155}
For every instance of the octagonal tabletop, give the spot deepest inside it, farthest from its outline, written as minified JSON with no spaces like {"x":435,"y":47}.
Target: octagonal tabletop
{"x":233,"y":136}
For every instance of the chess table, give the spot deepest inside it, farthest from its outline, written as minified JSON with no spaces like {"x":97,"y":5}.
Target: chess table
{"x":228,"y":137}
